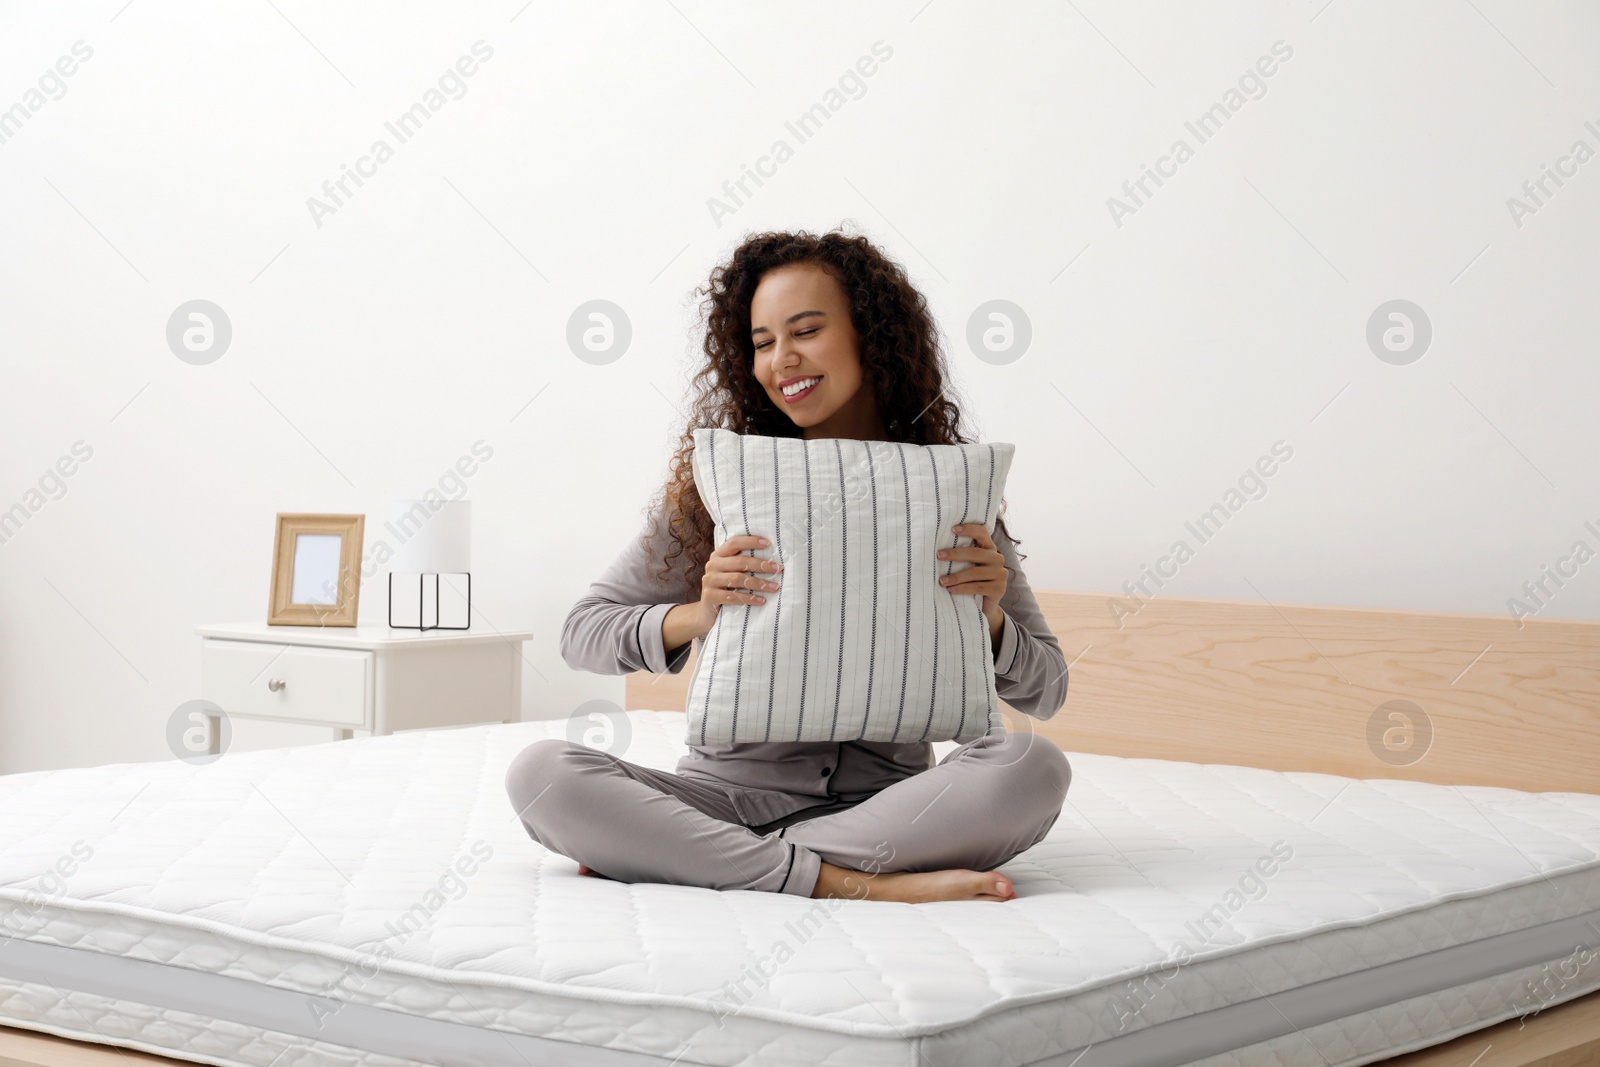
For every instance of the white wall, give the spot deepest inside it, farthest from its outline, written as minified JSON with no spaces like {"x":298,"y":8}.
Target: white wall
{"x":1226,"y":313}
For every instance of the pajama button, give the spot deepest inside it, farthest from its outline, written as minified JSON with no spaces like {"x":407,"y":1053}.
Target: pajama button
{"x":826,"y":771}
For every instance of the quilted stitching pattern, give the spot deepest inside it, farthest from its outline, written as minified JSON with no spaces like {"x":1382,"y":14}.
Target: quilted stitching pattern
{"x":280,"y":866}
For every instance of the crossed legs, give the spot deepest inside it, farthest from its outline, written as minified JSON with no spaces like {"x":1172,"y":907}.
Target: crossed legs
{"x":939,"y":835}
{"x":936,"y":835}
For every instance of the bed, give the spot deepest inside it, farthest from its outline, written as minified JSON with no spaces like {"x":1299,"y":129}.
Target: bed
{"x":1310,"y":897}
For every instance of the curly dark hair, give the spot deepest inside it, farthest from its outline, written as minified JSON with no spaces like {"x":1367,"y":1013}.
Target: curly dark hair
{"x":901,"y":361}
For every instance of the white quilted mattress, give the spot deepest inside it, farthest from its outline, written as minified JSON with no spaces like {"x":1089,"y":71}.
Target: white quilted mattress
{"x":374,"y":902}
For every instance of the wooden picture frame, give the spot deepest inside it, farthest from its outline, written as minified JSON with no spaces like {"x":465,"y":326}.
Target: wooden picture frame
{"x":1284,"y":687}
{"x":314,"y":581}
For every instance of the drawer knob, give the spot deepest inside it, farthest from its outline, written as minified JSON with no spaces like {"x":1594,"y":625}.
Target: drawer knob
{"x":276,"y":685}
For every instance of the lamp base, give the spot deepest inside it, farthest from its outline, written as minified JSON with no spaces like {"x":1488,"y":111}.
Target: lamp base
{"x":422,"y":623}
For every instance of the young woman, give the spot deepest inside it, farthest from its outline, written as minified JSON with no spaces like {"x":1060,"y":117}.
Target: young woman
{"x":815,"y":337}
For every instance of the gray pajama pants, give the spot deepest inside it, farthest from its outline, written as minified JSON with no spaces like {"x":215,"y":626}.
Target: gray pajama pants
{"x":980,"y":806}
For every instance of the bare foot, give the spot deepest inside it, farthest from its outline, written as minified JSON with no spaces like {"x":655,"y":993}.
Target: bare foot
{"x":912,"y":887}
{"x":592,"y":873}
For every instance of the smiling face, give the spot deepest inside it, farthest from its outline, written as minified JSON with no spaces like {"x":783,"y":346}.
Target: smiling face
{"x":808,"y":354}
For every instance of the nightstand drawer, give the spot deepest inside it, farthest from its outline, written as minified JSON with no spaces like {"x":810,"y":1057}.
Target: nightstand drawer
{"x":289,"y":682}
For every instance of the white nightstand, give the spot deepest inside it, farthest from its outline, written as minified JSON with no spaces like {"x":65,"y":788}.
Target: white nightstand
{"x":361,"y":679}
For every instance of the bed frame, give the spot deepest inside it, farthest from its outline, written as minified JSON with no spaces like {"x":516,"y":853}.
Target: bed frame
{"x":1290,"y":688}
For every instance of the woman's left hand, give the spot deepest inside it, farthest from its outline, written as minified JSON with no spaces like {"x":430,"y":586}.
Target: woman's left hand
{"x":986,"y":577}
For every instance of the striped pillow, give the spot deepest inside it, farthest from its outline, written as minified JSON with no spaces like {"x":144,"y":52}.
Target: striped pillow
{"x":860,"y":641}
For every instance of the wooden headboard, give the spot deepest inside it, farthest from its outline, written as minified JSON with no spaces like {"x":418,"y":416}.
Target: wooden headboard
{"x":1302,"y":688}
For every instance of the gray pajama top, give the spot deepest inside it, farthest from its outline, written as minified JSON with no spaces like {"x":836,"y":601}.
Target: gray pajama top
{"x":616,"y":629}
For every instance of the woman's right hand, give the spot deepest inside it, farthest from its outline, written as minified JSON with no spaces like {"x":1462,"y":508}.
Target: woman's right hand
{"x":733,"y":578}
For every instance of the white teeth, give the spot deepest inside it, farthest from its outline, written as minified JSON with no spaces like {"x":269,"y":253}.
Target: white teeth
{"x":802,"y":384}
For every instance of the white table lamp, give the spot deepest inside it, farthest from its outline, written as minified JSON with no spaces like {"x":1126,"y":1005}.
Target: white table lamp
{"x":433,"y":538}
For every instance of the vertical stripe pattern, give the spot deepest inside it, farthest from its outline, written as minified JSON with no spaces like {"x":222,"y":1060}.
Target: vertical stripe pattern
{"x":777,"y":604}
{"x":844,"y":603}
{"x":744,"y":615}
{"x":805,"y":655}
{"x":857,"y":525}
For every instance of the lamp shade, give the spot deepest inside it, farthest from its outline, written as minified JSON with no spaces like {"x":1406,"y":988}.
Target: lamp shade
{"x":432,"y":537}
